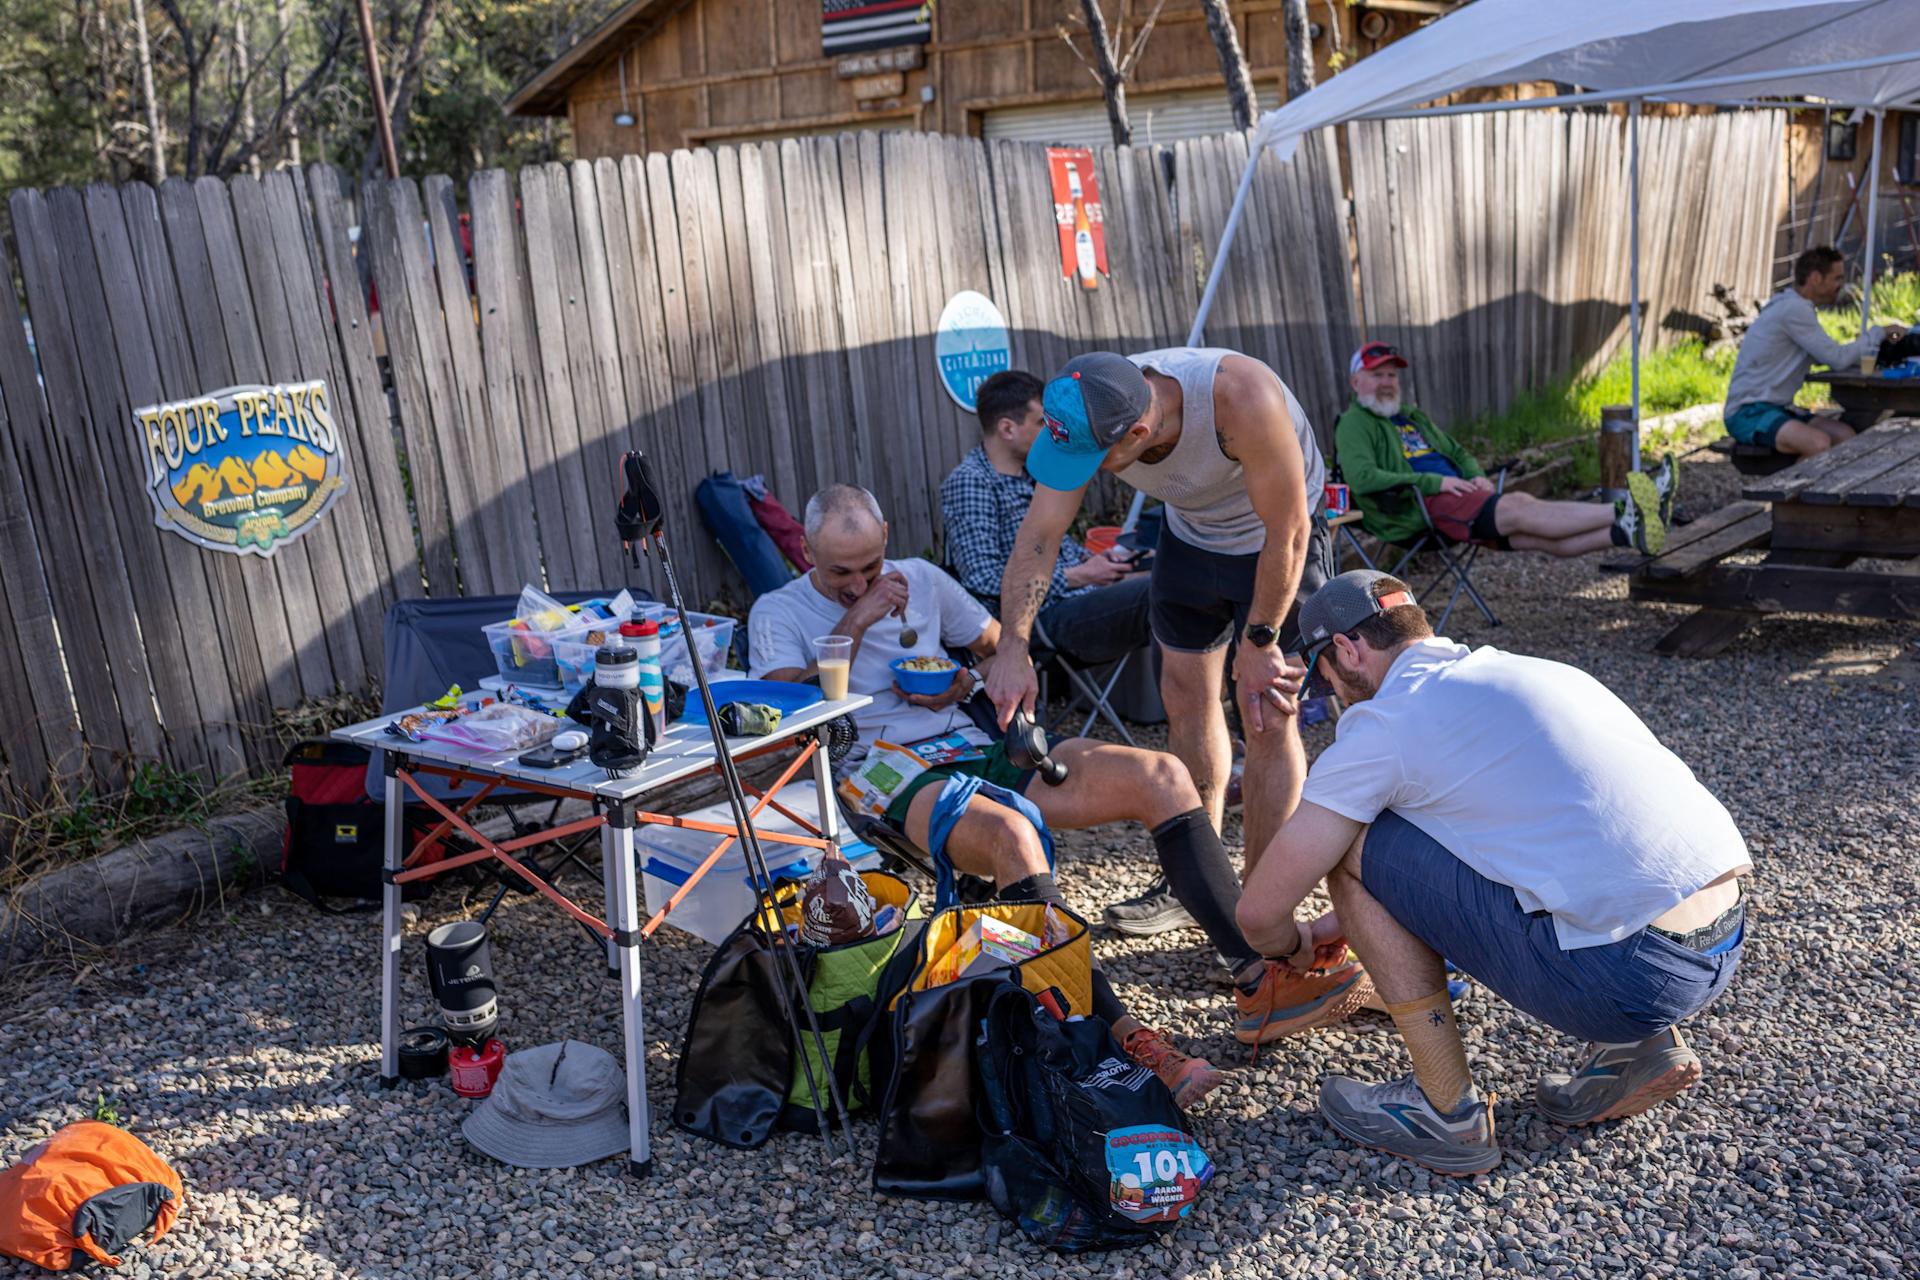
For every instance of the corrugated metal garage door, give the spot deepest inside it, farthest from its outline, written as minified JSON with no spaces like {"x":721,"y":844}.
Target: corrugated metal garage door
{"x":1156,"y":117}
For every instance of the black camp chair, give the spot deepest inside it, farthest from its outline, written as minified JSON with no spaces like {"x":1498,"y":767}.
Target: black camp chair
{"x":1456,"y":558}
{"x":433,"y":644}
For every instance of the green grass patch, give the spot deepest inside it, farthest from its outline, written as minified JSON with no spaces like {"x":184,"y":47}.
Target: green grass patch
{"x":1675,"y":377}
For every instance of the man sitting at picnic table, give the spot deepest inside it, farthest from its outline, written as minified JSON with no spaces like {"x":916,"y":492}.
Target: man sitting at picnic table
{"x":1513,"y":815}
{"x":990,"y":819}
{"x":1384,"y":445}
{"x":1781,"y":345}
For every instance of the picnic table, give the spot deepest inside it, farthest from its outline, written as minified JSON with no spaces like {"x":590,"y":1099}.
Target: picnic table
{"x":1865,"y":398}
{"x":1858,"y":501}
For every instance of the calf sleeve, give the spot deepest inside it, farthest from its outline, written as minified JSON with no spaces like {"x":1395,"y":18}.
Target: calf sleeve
{"x":1202,"y":878}
{"x":1433,"y":1041}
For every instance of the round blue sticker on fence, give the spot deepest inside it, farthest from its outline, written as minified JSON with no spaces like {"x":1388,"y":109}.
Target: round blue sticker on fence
{"x":970,"y":346}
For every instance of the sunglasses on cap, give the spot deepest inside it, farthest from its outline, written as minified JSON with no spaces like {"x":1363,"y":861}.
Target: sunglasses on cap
{"x":1317,"y":685}
{"x":1374,"y":354}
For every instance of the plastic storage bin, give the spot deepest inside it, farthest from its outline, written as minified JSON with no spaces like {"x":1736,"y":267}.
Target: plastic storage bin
{"x":547,"y":659}
{"x":723,"y":897}
{"x":712,"y":635}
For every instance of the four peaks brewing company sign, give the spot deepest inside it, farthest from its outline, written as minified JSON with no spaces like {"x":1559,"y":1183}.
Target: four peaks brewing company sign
{"x":244,"y":469}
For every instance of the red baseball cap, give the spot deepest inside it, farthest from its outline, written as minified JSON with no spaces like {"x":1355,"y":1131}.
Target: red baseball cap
{"x":1372,"y":355}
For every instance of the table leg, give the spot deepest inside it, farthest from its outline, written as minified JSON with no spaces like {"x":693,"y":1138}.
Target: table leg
{"x":611,"y":890}
{"x":390,"y":931}
{"x":823,"y":787}
{"x":616,"y":843}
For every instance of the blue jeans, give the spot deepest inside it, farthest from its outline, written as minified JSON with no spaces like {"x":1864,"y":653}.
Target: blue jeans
{"x":1617,"y":993}
{"x":1101,"y":625}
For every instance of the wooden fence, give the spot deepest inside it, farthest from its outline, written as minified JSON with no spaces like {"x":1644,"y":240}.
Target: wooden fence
{"x":1493,"y":249}
{"x":767,"y":308}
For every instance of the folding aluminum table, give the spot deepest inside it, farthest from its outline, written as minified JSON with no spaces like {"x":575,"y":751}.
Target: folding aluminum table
{"x":686,"y":750}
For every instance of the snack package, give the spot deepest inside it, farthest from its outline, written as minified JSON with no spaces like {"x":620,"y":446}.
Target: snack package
{"x":414,"y":725}
{"x":539,"y":611}
{"x":835,"y":906}
{"x":987,"y":944}
{"x":885,"y":772}
{"x":502,"y":726}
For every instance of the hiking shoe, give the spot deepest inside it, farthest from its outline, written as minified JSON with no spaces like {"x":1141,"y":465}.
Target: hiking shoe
{"x":1618,"y":1080}
{"x":1397,"y":1118}
{"x":1666,"y":482}
{"x":1155,"y":911}
{"x":1285,"y":1002}
{"x":1648,"y":531}
{"x":1187,"y":1077}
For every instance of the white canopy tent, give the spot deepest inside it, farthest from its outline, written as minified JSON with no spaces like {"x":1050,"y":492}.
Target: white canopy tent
{"x":1858,"y":54}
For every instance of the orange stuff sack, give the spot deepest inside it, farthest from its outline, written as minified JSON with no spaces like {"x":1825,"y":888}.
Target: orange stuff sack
{"x":90,"y":1188}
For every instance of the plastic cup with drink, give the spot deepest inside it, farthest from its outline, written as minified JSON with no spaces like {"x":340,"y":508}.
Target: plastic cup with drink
{"x":833,"y":657}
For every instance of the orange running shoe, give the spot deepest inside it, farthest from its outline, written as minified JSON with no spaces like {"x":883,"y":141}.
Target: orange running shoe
{"x":1189,"y":1078}
{"x":1286,"y":1002}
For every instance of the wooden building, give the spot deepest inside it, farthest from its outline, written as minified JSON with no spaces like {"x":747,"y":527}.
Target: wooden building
{"x":664,"y":74}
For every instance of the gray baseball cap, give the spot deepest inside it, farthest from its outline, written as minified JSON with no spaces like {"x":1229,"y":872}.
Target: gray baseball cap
{"x":553,"y":1107}
{"x":1345,"y":602}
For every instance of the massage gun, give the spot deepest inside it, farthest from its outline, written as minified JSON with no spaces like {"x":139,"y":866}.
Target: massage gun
{"x":1027,"y":748}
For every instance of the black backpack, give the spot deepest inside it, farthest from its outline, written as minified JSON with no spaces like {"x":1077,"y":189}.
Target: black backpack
{"x":1083,"y":1148}
{"x":336,"y":833}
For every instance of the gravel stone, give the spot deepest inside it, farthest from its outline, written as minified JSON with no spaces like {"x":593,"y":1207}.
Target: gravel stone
{"x":244,"y":1051}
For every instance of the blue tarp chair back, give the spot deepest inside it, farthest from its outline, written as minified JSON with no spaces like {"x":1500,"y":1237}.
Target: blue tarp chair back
{"x":723,"y":505}
{"x":432,"y":644}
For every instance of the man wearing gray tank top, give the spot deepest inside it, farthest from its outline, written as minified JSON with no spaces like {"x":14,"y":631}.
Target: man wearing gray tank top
{"x":1219,"y":439}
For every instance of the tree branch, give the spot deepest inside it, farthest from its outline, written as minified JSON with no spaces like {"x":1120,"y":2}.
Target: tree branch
{"x":1140,"y":41}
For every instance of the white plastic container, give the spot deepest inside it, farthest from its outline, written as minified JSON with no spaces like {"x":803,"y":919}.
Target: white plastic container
{"x":723,"y":897}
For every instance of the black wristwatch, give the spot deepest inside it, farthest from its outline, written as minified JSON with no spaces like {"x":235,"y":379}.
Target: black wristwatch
{"x":1262,"y":636}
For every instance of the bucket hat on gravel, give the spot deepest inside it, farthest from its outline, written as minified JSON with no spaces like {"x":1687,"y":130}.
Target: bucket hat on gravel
{"x":554,"y":1106}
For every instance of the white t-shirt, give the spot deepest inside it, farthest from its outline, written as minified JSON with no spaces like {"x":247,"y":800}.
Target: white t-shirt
{"x":785,"y":622}
{"x":1535,"y":775}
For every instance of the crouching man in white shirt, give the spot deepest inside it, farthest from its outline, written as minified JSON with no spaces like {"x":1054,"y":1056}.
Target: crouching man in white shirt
{"x":1513,"y":815}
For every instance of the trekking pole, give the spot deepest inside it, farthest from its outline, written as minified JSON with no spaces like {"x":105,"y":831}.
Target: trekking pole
{"x":646,"y":522}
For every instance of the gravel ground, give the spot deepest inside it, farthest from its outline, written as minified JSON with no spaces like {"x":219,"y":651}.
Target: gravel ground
{"x":245,"y":1051}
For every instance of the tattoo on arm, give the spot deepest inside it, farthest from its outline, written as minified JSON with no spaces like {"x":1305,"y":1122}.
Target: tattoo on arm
{"x":1220,"y":438}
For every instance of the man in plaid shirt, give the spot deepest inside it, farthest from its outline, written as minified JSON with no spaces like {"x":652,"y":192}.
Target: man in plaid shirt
{"x":1096,"y":609}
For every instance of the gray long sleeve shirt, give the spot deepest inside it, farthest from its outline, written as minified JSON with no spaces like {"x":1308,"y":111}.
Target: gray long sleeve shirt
{"x":1783,"y":343}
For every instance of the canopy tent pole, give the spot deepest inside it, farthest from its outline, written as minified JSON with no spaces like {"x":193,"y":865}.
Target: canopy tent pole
{"x":1633,"y":260}
{"x":1213,"y":287}
{"x":1873,"y":211}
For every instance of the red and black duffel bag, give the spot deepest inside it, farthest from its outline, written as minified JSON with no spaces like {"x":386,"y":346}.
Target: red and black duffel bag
{"x":335,"y":842}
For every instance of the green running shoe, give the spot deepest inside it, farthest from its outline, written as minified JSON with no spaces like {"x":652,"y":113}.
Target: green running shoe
{"x":1666,"y":483}
{"x":1649,"y":531}
{"x":1619,"y":1080}
{"x":1397,"y":1118}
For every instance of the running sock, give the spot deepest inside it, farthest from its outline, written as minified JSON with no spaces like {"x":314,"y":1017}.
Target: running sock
{"x":1202,"y":878}
{"x":1433,"y":1041}
{"x":1106,"y":1004}
{"x":1038,"y":887}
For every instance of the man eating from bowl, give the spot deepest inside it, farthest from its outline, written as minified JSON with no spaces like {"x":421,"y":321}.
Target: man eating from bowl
{"x":991,"y":819}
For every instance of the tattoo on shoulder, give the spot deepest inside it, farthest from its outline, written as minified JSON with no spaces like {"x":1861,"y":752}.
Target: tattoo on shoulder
{"x":1220,"y":438}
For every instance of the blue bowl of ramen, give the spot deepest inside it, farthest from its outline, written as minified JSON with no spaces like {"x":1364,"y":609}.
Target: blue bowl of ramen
{"x":927,"y":674}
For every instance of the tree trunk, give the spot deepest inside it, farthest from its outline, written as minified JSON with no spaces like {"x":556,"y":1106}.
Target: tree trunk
{"x":1233,"y":63}
{"x":285,"y":10}
{"x":242,"y":68}
{"x":1112,"y":83}
{"x":157,"y":144}
{"x":1299,"y":47}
